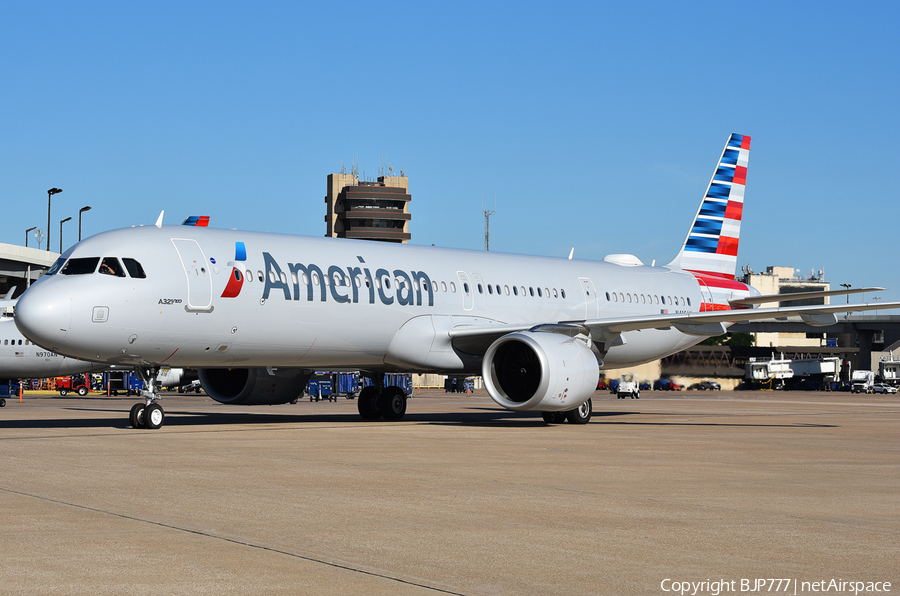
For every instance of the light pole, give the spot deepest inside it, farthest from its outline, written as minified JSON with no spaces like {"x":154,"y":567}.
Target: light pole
{"x":50,"y":193}
{"x":61,"y":222}
{"x":26,"y":234}
{"x":876,"y":298}
{"x":80,"y":211}
{"x":848,"y":295}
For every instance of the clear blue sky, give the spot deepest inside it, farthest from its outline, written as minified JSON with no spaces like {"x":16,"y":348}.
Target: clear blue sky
{"x":596,"y":125}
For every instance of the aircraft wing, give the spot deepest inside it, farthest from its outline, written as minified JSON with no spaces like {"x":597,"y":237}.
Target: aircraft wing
{"x":476,"y":339}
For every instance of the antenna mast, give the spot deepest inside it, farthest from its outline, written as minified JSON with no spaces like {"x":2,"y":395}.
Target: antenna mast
{"x":487,"y":223}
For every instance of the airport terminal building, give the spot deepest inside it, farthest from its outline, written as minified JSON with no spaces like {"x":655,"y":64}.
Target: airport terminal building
{"x":21,"y":266}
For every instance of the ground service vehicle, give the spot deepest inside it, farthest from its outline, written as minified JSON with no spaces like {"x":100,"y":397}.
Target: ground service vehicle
{"x":862,"y":381}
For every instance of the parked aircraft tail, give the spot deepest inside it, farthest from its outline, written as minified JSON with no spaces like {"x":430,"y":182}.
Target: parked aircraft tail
{"x":711,"y":245}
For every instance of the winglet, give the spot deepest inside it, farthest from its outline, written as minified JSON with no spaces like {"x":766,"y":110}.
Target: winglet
{"x":571,"y":253}
{"x":159,"y":221}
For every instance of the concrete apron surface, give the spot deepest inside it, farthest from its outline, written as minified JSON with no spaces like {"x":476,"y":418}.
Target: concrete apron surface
{"x":460,"y":497}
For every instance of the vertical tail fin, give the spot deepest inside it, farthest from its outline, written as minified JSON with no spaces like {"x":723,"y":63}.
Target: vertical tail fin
{"x":711,"y":245}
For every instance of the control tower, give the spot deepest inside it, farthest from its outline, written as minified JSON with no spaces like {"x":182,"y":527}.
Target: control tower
{"x":366,"y":210}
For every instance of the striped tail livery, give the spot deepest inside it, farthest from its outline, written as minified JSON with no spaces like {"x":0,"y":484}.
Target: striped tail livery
{"x":711,"y":246}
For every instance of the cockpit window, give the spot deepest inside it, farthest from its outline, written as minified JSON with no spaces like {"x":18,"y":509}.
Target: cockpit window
{"x":56,"y":266}
{"x":134,"y":268}
{"x":111,"y":266}
{"x":81,"y":266}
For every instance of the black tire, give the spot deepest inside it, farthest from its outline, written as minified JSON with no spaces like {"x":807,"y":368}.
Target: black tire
{"x":63,"y":392}
{"x":136,"y":416}
{"x":581,"y":414}
{"x":2,"y":402}
{"x":82,"y":391}
{"x":553,"y":417}
{"x":392,"y":403}
{"x":367,"y":404}
{"x":153,"y":416}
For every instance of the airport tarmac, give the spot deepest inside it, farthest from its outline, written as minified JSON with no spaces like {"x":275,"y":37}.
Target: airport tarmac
{"x":460,"y":497}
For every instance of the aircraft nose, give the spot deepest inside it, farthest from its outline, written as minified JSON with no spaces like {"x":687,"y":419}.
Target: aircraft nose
{"x":44,"y":315}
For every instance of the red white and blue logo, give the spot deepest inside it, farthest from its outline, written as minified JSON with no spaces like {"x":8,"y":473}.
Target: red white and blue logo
{"x":236,"y":278}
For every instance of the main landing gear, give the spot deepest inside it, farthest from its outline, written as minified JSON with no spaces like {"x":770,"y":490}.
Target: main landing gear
{"x":580,"y":415}
{"x":388,"y":403}
{"x":148,"y":414}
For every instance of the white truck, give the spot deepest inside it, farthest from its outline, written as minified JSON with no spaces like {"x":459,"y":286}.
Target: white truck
{"x":628,"y":385}
{"x":862,"y":381}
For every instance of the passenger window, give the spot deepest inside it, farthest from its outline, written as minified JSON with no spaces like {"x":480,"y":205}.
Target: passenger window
{"x":689,"y":301}
{"x":480,"y":289}
{"x":505,"y":289}
{"x":531,"y":291}
{"x":563,"y":294}
{"x":515,"y":290}
{"x":434,"y":286}
{"x":498,"y":290}
{"x":81,"y":266}
{"x":443,"y":286}
{"x":466,"y":288}
{"x":452,"y":287}
{"x":259,"y":275}
{"x":134,"y":268}
{"x":539,"y":293}
{"x":555,"y":294}
{"x":490,"y":289}
{"x":607,"y":296}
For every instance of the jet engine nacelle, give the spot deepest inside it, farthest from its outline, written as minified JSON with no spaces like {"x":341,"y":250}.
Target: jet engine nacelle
{"x":254,"y":386}
{"x":534,"y":370}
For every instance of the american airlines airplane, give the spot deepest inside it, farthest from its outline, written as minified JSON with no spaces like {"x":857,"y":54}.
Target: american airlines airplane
{"x":257,"y":312}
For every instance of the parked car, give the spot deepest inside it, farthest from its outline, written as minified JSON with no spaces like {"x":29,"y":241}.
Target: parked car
{"x":883,"y":388}
{"x":706,"y":386}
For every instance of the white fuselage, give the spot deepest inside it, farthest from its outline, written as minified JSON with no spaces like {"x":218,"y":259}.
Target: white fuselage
{"x":328,"y":303}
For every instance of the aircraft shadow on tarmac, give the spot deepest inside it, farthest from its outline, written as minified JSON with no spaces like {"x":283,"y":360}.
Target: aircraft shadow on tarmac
{"x":468,"y":417}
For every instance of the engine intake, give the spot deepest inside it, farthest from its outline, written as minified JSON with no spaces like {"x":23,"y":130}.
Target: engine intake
{"x":534,"y":370}
{"x":254,"y":386}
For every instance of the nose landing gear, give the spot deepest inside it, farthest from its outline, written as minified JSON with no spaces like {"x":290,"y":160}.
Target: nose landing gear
{"x":149,"y":414}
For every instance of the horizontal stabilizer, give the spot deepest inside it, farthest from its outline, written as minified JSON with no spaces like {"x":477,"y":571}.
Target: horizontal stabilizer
{"x":768,"y":298}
